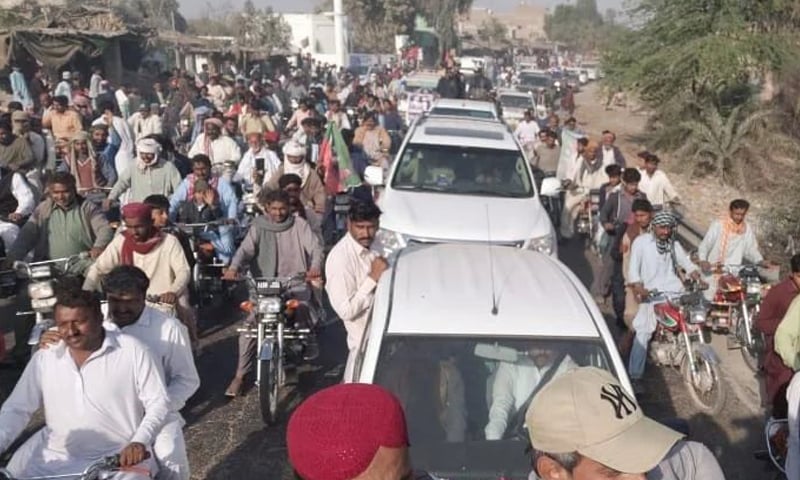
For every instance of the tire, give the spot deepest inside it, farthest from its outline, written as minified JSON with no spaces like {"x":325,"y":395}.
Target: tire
{"x":269,"y":388}
{"x":751,"y":354}
{"x":710,"y":399}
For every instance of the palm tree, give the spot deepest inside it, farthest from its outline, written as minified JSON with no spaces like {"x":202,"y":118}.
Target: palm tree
{"x":735,"y":146}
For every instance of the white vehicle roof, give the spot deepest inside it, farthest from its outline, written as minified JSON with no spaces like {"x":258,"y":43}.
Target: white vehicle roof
{"x":466,"y":132}
{"x":511,"y":92}
{"x":466,"y":105}
{"x":447,"y":289}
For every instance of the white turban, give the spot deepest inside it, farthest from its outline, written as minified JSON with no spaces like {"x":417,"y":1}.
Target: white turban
{"x":293,"y":148}
{"x":148,"y":145}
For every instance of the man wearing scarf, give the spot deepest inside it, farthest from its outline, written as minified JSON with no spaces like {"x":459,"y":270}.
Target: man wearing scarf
{"x":655,"y":259}
{"x":294,"y":161}
{"x":82,"y":162}
{"x":728,"y":241}
{"x":219,"y":148}
{"x":225,"y":198}
{"x":277,"y":244}
{"x":142,"y":245}
{"x":151,"y":176}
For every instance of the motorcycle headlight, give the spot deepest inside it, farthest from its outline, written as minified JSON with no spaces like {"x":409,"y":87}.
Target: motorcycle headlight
{"x":269,"y":305}
{"x":754,"y":288}
{"x":697,"y":315}
{"x":388,"y":242}
{"x":40,"y":290}
{"x":543,"y":244}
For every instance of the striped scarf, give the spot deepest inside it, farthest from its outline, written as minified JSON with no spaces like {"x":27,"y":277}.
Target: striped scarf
{"x":729,"y":227}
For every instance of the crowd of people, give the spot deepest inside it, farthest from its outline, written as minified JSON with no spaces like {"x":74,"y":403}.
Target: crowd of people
{"x":187,"y":150}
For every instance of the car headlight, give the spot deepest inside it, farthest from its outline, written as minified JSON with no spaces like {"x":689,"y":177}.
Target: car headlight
{"x":542,"y":244}
{"x":388,"y":242}
{"x":269,"y":305}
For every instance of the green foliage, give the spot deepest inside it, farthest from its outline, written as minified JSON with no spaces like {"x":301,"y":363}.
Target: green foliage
{"x":580,"y":26}
{"x":441,"y":14}
{"x":493,"y":33}
{"x":252,"y":27}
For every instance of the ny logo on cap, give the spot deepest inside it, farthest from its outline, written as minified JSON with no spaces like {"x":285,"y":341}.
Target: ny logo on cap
{"x":616,"y":396}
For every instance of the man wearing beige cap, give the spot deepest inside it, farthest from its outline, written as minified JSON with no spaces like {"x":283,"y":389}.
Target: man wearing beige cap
{"x":583,"y":425}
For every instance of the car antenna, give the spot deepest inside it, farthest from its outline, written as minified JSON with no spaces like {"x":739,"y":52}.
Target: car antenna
{"x":491,"y":259}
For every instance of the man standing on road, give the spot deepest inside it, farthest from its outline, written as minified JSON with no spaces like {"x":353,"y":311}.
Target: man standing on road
{"x":583,"y":425}
{"x":773,"y":309}
{"x":655,"y":183}
{"x":527,"y":130}
{"x":610,"y":152}
{"x":352,"y":272}
{"x":655,"y":260}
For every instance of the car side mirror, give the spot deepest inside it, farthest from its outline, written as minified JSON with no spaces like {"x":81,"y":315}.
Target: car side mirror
{"x":373,"y":175}
{"x":551,"y":186}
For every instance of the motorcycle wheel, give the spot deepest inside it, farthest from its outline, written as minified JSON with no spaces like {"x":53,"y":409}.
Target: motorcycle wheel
{"x":269,"y":387}
{"x":708,"y":392}
{"x":751,"y":354}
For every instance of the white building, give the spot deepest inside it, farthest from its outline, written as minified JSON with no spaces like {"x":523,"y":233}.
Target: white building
{"x":314,"y":34}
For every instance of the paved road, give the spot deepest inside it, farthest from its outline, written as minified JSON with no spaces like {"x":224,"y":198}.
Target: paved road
{"x":227,"y":440}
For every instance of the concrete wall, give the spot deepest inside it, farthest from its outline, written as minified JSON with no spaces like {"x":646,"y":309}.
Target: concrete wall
{"x":313,"y":34}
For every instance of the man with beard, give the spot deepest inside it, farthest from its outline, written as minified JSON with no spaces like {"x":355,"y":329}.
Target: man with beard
{"x":588,"y":176}
{"x":62,"y":225}
{"x":91,"y":413}
{"x":294,"y":161}
{"x":217,"y":147}
{"x":152,"y":175}
{"x":282,"y":245}
{"x":246,"y":173}
{"x":142,"y":245}
{"x":15,"y":153}
{"x":105,"y":147}
{"x":353,"y":271}
{"x":656,"y":258}
{"x":146,"y":121}
{"x":225,"y":198}
{"x":126,"y":287}
{"x":82,"y":162}
{"x":124,"y":159}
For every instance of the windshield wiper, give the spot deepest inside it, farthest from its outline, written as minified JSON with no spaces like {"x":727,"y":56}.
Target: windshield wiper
{"x":419,"y":188}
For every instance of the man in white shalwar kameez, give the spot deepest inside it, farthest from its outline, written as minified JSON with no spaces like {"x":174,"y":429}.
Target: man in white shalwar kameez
{"x":588,"y":176}
{"x":653,"y":266}
{"x":729,"y":241}
{"x":126,"y":288}
{"x":102,"y":393}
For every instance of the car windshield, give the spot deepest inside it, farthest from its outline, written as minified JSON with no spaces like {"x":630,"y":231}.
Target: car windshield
{"x":463,"y":170}
{"x":465,"y":397}
{"x":516,"y":101}
{"x":462,"y":112}
{"x":535,"y":80}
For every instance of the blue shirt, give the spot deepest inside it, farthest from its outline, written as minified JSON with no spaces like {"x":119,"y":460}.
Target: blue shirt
{"x":227,"y":198}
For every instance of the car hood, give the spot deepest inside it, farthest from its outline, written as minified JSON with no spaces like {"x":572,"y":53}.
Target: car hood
{"x":446,"y":217}
{"x":513,"y":112}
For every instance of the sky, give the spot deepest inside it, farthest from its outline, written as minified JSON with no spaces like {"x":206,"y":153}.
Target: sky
{"x":198,"y":8}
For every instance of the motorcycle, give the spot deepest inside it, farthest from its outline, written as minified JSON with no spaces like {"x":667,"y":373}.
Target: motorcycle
{"x":678,"y":342}
{"x":776,"y":439}
{"x":104,"y":469}
{"x":42,"y":277}
{"x":208,"y":268}
{"x":736,"y":304}
{"x":280,"y":342}
{"x":586,"y":224}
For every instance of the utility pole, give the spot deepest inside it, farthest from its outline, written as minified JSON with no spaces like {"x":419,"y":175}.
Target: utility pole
{"x":338,"y":32}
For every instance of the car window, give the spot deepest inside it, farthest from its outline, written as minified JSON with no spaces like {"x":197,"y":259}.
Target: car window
{"x":463,"y":170}
{"x":461,"y":112}
{"x":515,"y":101}
{"x":462,"y":392}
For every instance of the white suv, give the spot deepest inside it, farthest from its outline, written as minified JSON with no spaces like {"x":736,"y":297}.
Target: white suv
{"x":460,"y":180}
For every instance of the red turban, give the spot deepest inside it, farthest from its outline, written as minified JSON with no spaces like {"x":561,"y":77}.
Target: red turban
{"x":335,"y":433}
{"x":137,"y":210}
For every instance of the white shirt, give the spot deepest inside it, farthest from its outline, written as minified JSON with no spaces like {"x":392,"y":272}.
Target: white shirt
{"x":244,"y":173}
{"x":94,"y":85}
{"x":223,"y":149}
{"x":123,"y":102}
{"x":740,"y":247}
{"x":658,"y":188}
{"x":168,"y":340}
{"x":350,"y":288}
{"x":143,"y":127}
{"x":608,"y":157}
{"x":124,"y":158}
{"x":339,"y":119}
{"x":23,"y":193}
{"x":64,"y":88}
{"x":512,"y":386}
{"x":116,"y":397}
{"x":527,"y":132}
{"x":656,"y":270}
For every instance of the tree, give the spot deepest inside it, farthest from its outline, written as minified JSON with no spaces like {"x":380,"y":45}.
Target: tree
{"x":492,"y":33}
{"x":441,"y":14}
{"x":261,"y":28}
{"x":375,"y":22}
{"x":579,"y":26}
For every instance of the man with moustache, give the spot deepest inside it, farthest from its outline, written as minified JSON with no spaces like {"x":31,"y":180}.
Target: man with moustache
{"x":89,"y":414}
